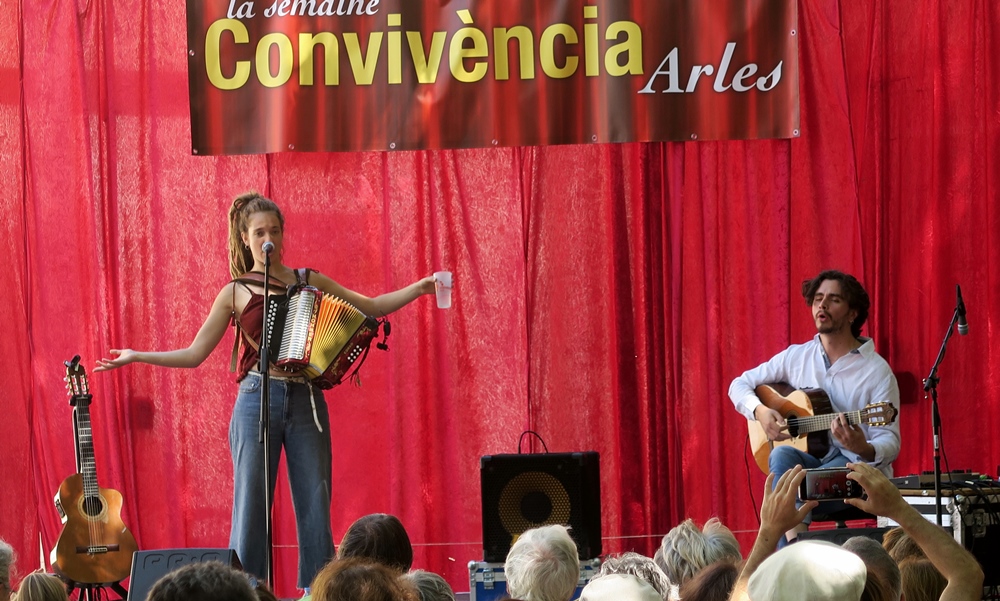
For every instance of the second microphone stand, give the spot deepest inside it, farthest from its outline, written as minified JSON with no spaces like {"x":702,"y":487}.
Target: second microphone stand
{"x":930,"y":386}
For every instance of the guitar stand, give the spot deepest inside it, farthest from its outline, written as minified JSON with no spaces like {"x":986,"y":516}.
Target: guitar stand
{"x":92,"y":592}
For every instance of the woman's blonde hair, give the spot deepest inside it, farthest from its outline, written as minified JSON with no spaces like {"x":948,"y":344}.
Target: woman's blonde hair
{"x":245,"y":205}
{"x":921,"y":580}
{"x":39,"y":586}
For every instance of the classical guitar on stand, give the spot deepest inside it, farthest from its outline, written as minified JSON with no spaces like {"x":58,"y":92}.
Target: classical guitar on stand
{"x":809,"y":415}
{"x":95,"y":548}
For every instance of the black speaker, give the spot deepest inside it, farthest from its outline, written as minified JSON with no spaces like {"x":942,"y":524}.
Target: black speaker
{"x":520,"y":492}
{"x":839,"y":536}
{"x":150,"y":566}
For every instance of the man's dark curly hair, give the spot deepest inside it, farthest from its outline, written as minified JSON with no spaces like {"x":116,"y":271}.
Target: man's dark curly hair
{"x":854,"y":293}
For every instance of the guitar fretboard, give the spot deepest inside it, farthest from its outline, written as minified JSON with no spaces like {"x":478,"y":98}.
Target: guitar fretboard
{"x":88,"y":467}
{"x":819,"y":423}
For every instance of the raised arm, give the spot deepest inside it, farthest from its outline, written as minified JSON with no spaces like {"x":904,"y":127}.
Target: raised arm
{"x":958,"y":566}
{"x":778,"y":515}
{"x":201,"y":347}
{"x":378,"y":306}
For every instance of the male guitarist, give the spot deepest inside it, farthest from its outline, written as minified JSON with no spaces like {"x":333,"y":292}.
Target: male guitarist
{"x":842,"y":363}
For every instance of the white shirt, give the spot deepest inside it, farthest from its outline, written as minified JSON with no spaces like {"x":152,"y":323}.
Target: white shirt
{"x":857,"y":379}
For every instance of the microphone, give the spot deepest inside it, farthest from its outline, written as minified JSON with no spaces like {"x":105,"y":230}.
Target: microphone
{"x":963,"y":325}
{"x":268,"y":248}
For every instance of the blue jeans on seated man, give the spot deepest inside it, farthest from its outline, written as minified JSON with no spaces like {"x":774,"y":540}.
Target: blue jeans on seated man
{"x":786,"y":457}
{"x":307,"y":460}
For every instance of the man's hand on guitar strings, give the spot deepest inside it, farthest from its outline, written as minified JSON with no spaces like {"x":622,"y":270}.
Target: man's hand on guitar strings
{"x":852,"y":437}
{"x":772,"y":423}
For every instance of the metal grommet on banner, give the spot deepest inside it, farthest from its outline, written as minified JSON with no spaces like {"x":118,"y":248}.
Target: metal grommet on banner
{"x":593,"y":138}
{"x":694,"y":136}
{"x":494,"y":142}
{"x":392,"y":145}
{"x":793,"y":32}
{"x":795,"y":133}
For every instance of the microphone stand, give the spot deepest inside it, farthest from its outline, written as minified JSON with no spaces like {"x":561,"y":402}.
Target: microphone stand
{"x":264,"y":434}
{"x":930,"y":385}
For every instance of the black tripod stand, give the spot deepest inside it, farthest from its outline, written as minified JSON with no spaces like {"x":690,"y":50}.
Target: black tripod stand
{"x":92,"y":592}
{"x":930,"y":386}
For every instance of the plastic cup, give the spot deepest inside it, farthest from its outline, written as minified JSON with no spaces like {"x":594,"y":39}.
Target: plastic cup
{"x":442,"y":287}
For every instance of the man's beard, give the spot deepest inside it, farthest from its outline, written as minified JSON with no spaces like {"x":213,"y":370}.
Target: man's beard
{"x":829,"y":327}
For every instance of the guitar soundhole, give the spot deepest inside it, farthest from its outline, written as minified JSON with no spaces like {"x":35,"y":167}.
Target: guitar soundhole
{"x":92,"y":506}
{"x":793,"y":426}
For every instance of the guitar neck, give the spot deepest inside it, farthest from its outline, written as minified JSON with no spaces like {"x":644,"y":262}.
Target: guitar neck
{"x":820,"y":423}
{"x":85,"y":463}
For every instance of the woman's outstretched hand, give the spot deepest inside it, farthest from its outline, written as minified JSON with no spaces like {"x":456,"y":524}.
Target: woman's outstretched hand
{"x":125,"y":356}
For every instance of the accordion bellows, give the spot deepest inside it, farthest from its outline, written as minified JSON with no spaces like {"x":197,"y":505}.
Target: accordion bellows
{"x":321,"y":335}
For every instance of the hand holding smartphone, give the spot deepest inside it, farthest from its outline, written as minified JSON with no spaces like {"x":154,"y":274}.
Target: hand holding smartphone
{"x":824,"y":484}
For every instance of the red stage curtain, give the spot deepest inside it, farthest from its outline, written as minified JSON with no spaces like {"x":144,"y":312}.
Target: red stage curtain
{"x":605,"y":295}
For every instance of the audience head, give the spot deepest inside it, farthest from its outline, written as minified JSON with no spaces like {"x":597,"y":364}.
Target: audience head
{"x":685,"y":549}
{"x":360,"y":579}
{"x":543,"y":565}
{"x":641,"y":567}
{"x":430,"y":586}
{"x":264,"y":593}
{"x":619,"y":587}
{"x":203,"y":581}
{"x":6,"y":566}
{"x":39,"y":586}
{"x":713,"y":583}
{"x":379,"y":537}
{"x":883,"y":582}
{"x":813,"y":570}
{"x":921,"y":580}
{"x":900,"y":546}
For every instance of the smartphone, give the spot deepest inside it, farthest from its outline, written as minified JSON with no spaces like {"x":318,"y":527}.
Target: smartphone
{"x":829,"y":483}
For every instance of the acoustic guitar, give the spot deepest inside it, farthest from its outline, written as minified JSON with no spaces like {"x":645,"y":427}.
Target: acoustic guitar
{"x":809,"y":415}
{"x":94,"y":547}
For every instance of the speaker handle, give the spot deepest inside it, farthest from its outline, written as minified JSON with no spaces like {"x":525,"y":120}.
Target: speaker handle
{"x":525,"y":433}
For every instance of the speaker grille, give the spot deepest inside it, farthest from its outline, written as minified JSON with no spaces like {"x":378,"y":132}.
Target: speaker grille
{"x":520,"y":492}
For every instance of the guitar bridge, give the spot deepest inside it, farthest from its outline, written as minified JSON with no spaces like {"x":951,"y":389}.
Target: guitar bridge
{"x":95,"y":549}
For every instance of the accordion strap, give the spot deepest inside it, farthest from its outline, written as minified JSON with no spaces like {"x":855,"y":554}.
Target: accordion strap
{"x":301,"y":277}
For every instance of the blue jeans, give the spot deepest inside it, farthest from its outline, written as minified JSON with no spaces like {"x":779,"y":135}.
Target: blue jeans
{"x":786,"y":457}
{"x":309,"y":464}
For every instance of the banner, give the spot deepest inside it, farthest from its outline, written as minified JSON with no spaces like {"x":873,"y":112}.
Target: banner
{"x":353,"y":75}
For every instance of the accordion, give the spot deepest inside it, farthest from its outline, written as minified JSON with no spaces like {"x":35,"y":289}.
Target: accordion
{"x":320,"y":335}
